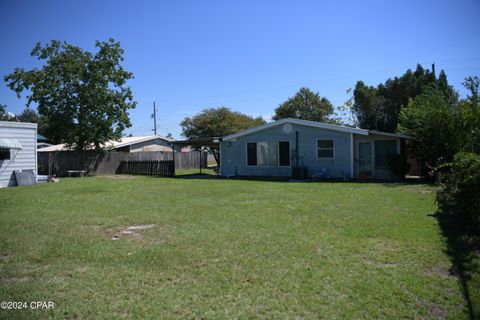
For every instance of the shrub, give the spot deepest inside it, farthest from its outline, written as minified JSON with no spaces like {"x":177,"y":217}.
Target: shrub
{"x":460,"y":188}
{"x":398,"y":165}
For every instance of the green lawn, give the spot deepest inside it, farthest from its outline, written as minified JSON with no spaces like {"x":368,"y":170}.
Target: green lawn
{"x":225,"y":249}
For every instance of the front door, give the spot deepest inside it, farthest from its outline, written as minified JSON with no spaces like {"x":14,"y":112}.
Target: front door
{"x":365,"y":158}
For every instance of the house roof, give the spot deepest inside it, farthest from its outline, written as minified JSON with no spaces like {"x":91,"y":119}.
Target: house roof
{"x":18,"y":124}
{"x":307,"y":123}
{"x":212,"y":142}
{"x":315,"y":124}
{"x":389,"y":134}
{"x":124,"y":141}
{"x":41,"y":138}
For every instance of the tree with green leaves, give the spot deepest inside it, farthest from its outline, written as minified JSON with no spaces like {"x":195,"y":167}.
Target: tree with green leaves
{"x":471,"y":115}
{"x":305,"y":105}
{"x":30,"y":115}
{"x":368,"y":107}
{"x":378,"y":108}
{"x":459,"y":192}
{"x":5,"y":115}
{"x":217,"y":122}
{"x":82,"y":96}
{"x":436,"y":126}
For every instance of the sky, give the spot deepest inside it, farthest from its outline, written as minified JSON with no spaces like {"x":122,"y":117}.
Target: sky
{"x":247,"y":55}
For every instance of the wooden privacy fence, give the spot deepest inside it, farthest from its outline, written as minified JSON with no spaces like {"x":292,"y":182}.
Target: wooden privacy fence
{"x":162,"y":168}
{"x":107,"y":163}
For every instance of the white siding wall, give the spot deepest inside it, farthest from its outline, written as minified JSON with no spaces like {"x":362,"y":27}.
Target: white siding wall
{"x":26,"y":135}
{"x":151,"y":145}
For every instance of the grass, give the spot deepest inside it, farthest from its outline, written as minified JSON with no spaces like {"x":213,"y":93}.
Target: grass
{"x":225,"y":249}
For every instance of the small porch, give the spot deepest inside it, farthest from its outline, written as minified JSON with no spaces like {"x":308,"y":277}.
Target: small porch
{"x":370,"y":154}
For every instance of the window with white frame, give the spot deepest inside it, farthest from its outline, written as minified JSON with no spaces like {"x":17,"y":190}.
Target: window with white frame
{"x":268,"y":154}
{"x":325,"y":149}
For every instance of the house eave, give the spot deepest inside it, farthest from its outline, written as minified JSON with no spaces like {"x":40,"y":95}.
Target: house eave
{"x":307,"y":123}
{"x":13,"y":124}
{"x":124,"y":144}
{"x":390,"y":134}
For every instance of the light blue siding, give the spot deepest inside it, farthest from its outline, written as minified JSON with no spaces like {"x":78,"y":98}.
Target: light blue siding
{"x":233,"y":159}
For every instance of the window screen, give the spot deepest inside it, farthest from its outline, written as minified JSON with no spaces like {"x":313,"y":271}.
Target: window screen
{"x":267,"y":154}
{"x":325,"y":149}
{"x":4,"y":154}
{"x":264,"y":154}
{"x":382,"y":150}
{"x":272,"y":154}
{"x":284,"y":152}
{"x":252,"y":154}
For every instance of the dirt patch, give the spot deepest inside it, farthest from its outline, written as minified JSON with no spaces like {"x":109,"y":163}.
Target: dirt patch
{"x":82,"y":269}
{"x":425,"y":191}
{"x":97,"y":228}
{"x":434,"y":311}
{"x":117,"y":177}
{"x":133,"y":232}
{"x":373,"y":262}
{"x":13,"y":280}
{"x":35,"y":268}
{"x":6,"y":257}
{"x":439,"y":272}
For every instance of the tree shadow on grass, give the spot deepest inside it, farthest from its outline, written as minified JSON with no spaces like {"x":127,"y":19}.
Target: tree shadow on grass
{"x":463,"y":247}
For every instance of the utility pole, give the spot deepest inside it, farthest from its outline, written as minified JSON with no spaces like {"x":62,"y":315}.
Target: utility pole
{"x":154,"y":118}
{"x":433,"y":69}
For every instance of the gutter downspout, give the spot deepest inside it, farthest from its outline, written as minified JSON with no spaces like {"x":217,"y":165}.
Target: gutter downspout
{"x":352,"y":158}
{"x":296,"y":148}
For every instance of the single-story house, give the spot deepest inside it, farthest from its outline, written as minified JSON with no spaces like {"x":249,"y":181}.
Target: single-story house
{"x":18,"y":150}
{"x":127,"y":144}
{"x":326,"y":150}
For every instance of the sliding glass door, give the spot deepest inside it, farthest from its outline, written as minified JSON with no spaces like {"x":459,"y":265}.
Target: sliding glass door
{"x":365,"y":157}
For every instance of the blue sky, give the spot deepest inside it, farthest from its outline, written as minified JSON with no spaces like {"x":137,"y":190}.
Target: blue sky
{"x":247,"y":55}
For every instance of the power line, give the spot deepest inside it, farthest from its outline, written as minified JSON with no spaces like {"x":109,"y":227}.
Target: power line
{"x":141,"y":126}
{"x":235,"y":95}
{"x":291,"y":85}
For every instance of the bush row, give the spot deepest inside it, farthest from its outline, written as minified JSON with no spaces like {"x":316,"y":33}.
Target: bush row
{"x":459,"y":191}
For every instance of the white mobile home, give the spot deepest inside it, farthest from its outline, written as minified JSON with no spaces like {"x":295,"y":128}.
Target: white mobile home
{"x":18,"y":150}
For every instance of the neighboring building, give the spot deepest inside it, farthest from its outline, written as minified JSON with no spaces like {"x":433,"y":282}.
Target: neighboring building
{"x":326,"y":150}
{"x":42,"y":141}
{"x":18,"y":150}
{"x":127,"y":144}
